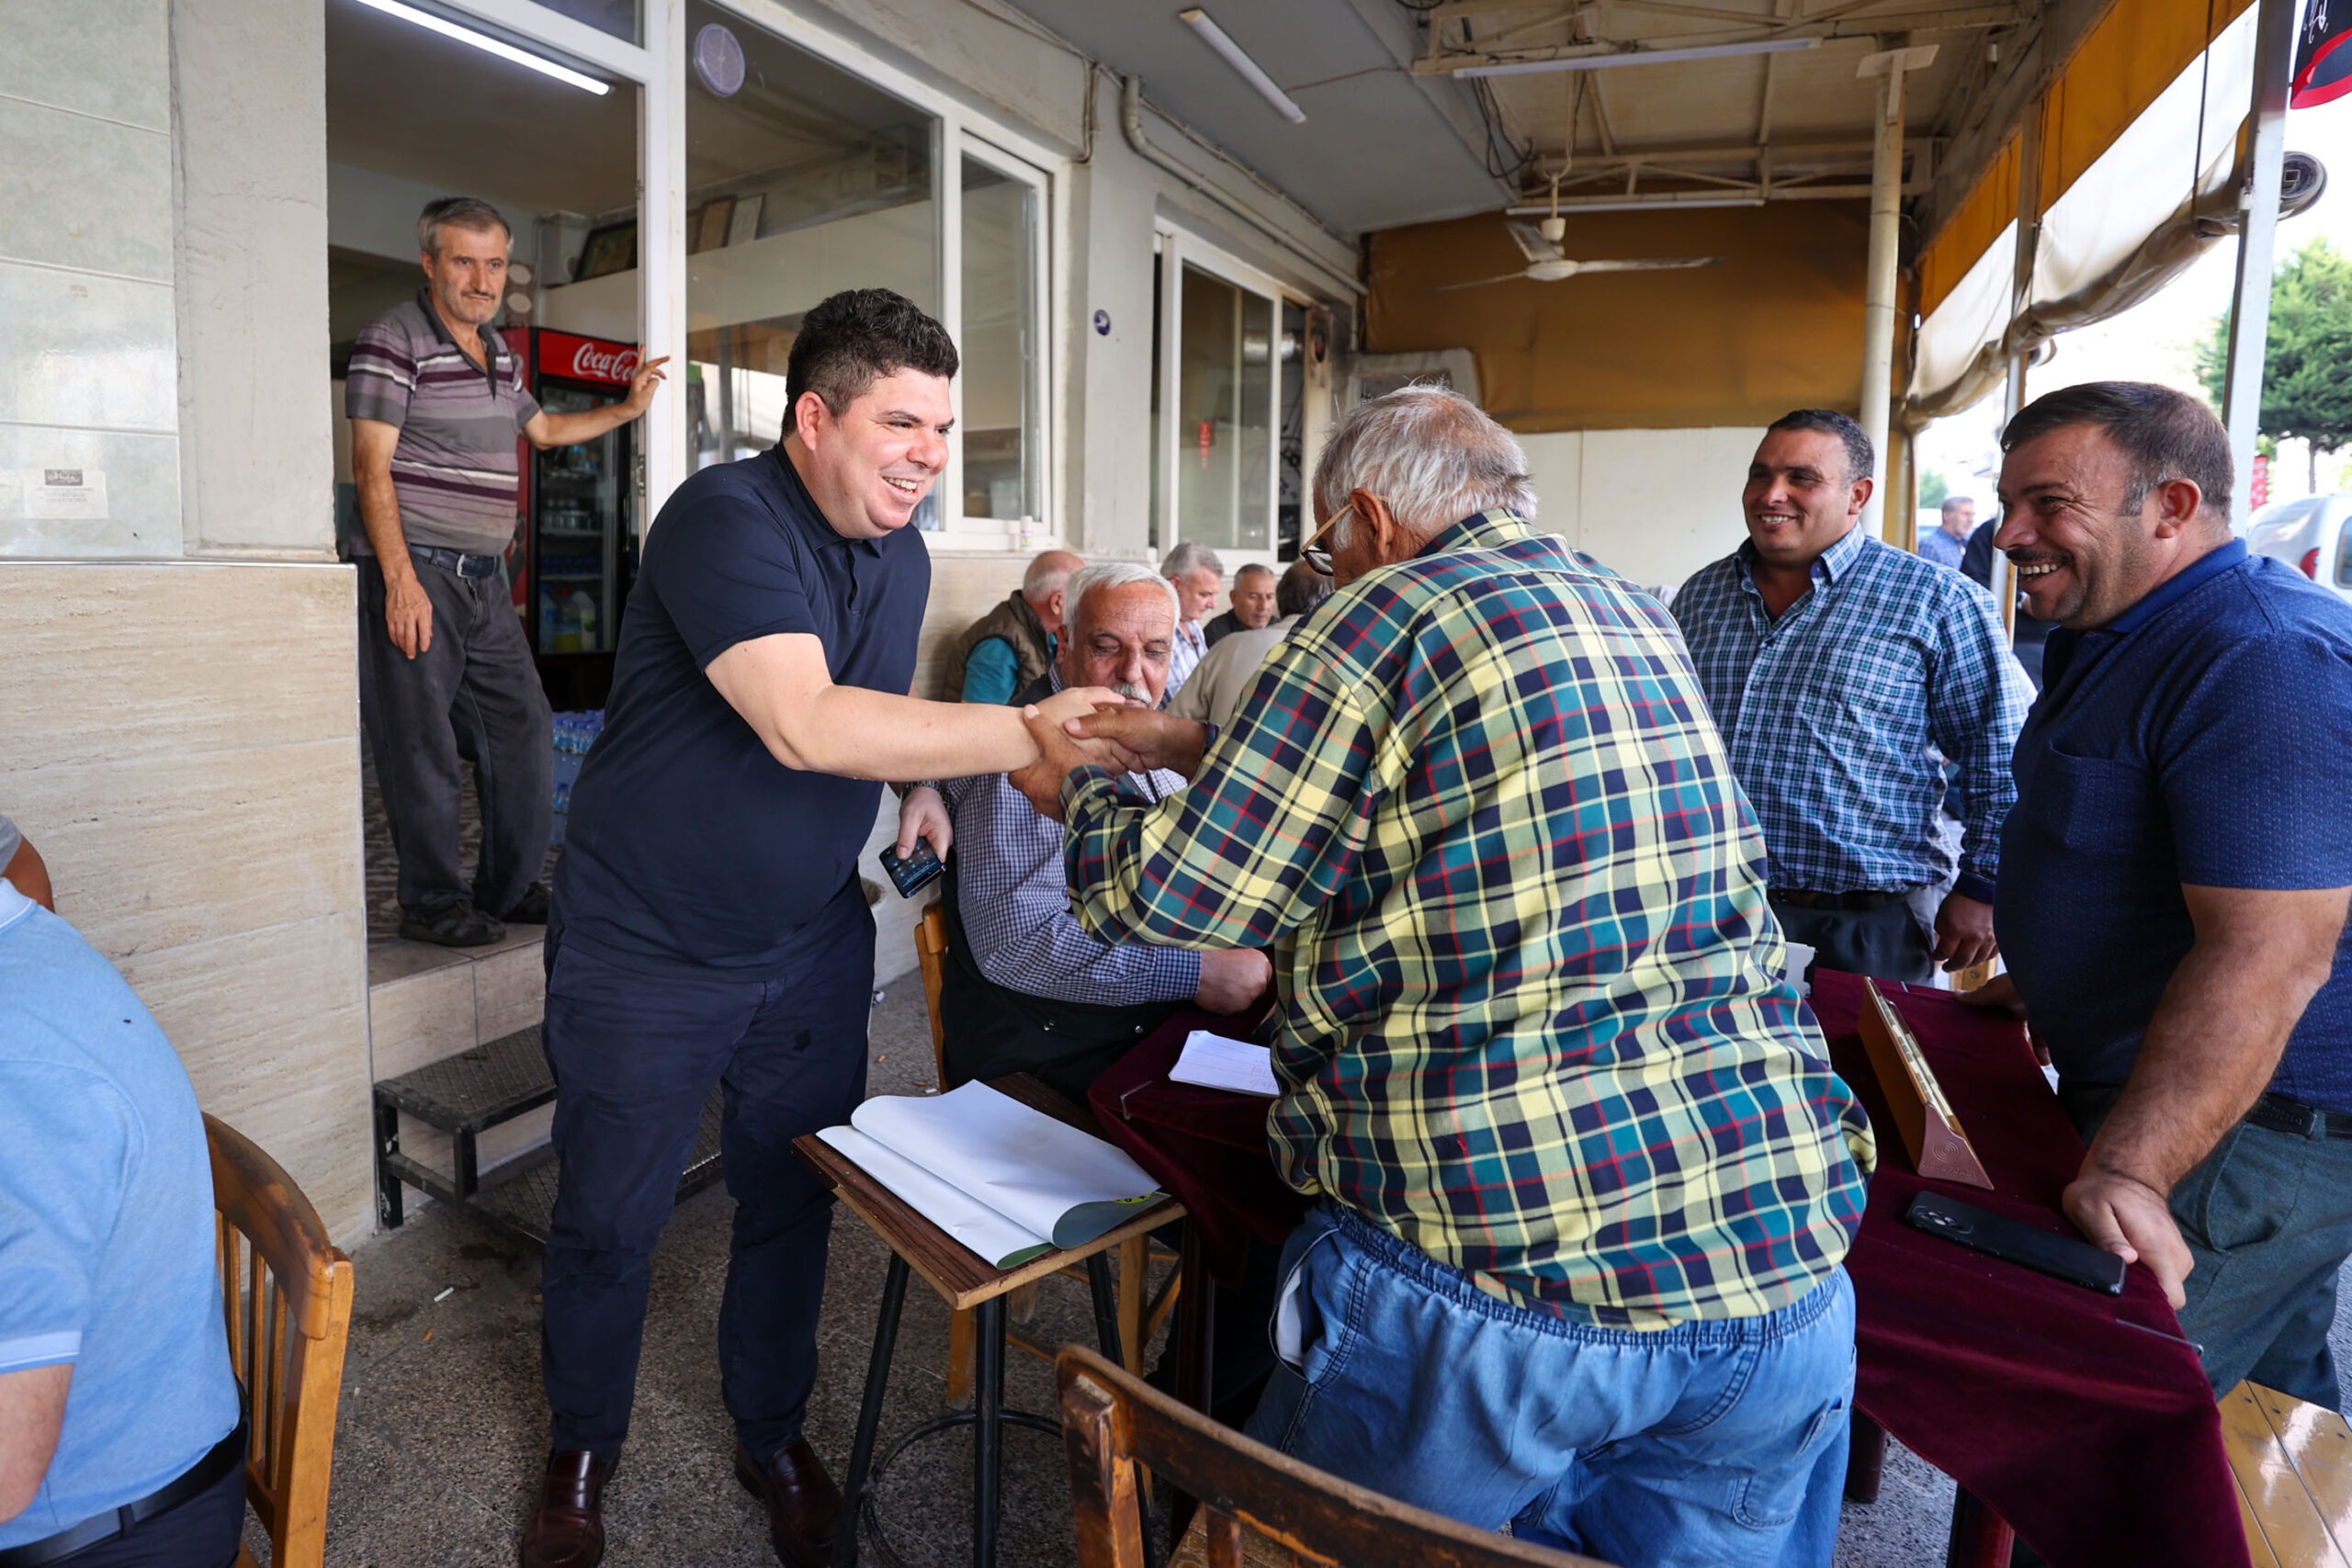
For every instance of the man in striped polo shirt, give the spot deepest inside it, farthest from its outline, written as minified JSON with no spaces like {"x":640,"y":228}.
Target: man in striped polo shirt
{"x":435,"y":398}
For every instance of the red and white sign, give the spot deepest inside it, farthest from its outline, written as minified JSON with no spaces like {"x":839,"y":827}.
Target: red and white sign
{"x":586,"y":358}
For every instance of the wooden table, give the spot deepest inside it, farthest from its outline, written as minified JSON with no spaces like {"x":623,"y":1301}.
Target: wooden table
{"x":965,"y":1280}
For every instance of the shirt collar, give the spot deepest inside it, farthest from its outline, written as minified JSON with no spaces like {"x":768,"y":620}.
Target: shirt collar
{"x":1479,"y":531}
{"x":493,"y":345}
{"x":1828,"y":567}
{"x":2170,"y":591}
{"x":807,"y":515}
{"x":14,"y":906}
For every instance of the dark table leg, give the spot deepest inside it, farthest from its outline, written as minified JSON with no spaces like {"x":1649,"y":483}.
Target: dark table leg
{"x":1980,"y":1538}
{"x":1865,"y":1459}
{"x":869,"y":1412}
{"x":988,"y":1408}
{"x":1195,"y":1324}
{"x":1106,"y":1307}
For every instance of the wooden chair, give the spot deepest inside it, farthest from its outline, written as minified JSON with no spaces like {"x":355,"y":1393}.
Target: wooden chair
{"x":1140,"y":1317}
{"x":285,"y":1296}
{"x":1257,"y":1506}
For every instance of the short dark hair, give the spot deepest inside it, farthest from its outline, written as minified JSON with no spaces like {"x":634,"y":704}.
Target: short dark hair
{"x":1861,"y":458}
{"x":854,"y":337}
{"x":2164,"y":434}
{"x":1301,"y":589}
{"x":470,"y":212}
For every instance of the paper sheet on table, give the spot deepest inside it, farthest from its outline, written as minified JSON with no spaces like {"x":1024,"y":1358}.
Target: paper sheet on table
{"x":1043,"y":1174}
{"x":1212,"y":1061}
{"x":970,"y":1222}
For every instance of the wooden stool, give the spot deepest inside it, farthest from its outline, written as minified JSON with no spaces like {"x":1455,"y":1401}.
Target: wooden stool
{"x":965,"y":1282}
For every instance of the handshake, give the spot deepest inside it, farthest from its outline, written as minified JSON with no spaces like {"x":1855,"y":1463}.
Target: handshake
{"x":1094,"y":727}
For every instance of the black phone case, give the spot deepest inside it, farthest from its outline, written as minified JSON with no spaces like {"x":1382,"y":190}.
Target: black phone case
{"x":1997,"y":1235}
{"x":910,"y":874}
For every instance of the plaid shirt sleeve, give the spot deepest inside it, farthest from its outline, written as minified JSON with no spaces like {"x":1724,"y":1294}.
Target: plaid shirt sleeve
{"x":1976,"y":704}
{"x":1267,"y":833}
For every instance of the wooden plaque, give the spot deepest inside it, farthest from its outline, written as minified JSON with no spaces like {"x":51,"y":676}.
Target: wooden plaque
{"x":1931,"y":1131}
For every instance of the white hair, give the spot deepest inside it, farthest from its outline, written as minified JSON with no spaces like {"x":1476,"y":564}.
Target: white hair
{"x":1190,"y":556}
{"x":1430,"y":454}
{"x":1048,"y":575}
{"x":1111,"y":574}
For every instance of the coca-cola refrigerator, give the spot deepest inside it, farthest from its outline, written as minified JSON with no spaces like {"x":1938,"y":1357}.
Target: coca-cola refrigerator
{"x":579,"y":538}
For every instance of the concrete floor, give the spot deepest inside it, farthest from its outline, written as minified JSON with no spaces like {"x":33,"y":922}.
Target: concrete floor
{"x":442,"y":1424}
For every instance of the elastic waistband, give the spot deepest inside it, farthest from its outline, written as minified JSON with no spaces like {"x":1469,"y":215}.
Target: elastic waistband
{"x":1574,"y":1318}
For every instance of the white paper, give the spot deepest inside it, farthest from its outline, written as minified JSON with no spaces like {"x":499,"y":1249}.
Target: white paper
{"x":1212,"y":1061}
{"x":69,"y":494}
{"x":1043,"y":1174}
{"x":972,"y":1223}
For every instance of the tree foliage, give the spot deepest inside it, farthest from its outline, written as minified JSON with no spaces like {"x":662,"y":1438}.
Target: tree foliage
{"x":1933,"y":487}
{"x":2306,"y":392}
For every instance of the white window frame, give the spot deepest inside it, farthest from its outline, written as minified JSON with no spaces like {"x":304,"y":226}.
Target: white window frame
{"x":1179,"y":248}
{"x":658,"y":68}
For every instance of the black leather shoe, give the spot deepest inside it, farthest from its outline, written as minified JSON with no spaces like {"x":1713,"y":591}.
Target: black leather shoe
{"x":531,"y":910}
{"x":804,"y":1505}
{"x":567,"y":1527}
{"x":453,"y":925}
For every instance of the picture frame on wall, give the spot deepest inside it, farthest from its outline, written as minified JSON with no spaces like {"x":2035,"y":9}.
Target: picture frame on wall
{"x":706,"y":226}
{"x":607,"y":250}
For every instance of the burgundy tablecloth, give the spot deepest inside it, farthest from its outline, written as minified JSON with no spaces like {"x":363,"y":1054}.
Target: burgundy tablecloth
{"x":2097,"y":1441}
{"x":1206,"y":1147}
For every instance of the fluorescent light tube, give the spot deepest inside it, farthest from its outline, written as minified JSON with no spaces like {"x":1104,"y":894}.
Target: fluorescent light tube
{"x":1660,"y":202}
{"x":1231,"y":52}
{"x":490,"y":45}
{"x":1641,"y":57}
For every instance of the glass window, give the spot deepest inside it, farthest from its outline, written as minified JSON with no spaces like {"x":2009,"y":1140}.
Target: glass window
{"x":999,"y":345}
{"x":617,"y":17}
{"x":802,"y":182}
{"x":1224,"y":459}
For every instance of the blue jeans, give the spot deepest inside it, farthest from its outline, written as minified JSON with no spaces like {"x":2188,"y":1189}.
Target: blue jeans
{"x":1717,"y":1442}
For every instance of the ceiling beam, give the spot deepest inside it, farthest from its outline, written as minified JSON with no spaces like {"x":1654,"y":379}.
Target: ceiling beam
{"x":1846,"y":24}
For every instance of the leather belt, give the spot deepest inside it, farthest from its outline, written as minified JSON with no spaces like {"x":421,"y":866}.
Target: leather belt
{"x":204,"y":1474}
{"x":1863,"y":898}
{"x":2277,"y":1113}
{"x":459,"y":561}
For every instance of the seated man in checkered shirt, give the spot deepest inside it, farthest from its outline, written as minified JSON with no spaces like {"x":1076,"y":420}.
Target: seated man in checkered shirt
{"x":1027,"y":989}
{"x":1587,"y":1178}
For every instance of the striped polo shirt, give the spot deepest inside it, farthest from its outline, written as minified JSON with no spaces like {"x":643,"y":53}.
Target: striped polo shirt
{"x":454,"y":470}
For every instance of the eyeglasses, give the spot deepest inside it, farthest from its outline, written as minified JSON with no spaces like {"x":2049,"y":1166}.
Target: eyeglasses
{"x":1318,"y":557}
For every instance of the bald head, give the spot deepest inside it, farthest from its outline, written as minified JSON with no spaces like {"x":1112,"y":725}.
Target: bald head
{"x":1045,"y":585}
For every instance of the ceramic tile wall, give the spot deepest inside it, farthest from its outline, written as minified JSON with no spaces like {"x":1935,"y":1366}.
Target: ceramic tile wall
{"x":182,"y":745}
{"x":88,"y":361}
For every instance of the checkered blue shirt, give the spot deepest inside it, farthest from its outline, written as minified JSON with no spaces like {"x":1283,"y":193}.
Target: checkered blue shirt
{"x":1942,"y":548}
{"x":1184,"y":654}
{"x":1836,"y":713}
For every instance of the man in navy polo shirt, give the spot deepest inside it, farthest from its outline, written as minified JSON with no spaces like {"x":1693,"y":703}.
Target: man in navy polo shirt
{"x":2176,"y":873}
{"x":708,"y":927}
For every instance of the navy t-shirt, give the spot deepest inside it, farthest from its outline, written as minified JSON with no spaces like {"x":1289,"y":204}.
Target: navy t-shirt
{"x":2203,"y":736}
{"x":688,"y":842}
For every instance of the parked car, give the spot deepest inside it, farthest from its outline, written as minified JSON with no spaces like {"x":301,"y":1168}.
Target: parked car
{"x":2310,"y":535}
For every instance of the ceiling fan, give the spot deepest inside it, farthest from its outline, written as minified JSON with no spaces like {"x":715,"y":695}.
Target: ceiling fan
{"x":1541,"y":246}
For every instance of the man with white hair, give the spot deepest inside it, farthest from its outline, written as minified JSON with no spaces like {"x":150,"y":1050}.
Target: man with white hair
{"x":1198,"y":575}
{"x":1027,"y":989}
{"x":1012,"y":645}
{"x":1586,"y":1177}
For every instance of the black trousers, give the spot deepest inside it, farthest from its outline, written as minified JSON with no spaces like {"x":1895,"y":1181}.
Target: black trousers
{"x":1884,"y":943}
{"x":635,"y":1058}
{"x":475,"y":696}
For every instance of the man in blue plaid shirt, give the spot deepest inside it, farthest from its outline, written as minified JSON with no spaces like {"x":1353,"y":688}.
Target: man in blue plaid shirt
{"x":1846,"y":676}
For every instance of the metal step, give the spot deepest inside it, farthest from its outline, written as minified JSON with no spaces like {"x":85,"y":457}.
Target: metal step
{"x":524,"y":1202}
{"x":476,"y":1088}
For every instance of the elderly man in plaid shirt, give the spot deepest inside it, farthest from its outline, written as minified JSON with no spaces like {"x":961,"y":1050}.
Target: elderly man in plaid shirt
{"x":1846,"y":676}
{"x":1587,"y":1179}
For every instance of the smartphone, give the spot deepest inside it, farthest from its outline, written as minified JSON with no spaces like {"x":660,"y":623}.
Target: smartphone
{"x":2012,"y":1241}
{"x":917,"y":869}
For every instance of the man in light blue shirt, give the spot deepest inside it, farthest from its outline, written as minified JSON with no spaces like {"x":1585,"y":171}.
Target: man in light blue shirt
{"x":119,"y":1435}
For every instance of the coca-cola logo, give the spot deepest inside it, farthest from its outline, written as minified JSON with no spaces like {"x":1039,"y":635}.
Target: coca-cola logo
{"x":604,"y":364}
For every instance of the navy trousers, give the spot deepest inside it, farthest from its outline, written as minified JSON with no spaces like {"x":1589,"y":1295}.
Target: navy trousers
{"x":635,"y":1056}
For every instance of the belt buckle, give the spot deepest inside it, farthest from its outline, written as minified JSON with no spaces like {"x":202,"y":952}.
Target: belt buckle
{"x":2289,"y":1115}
